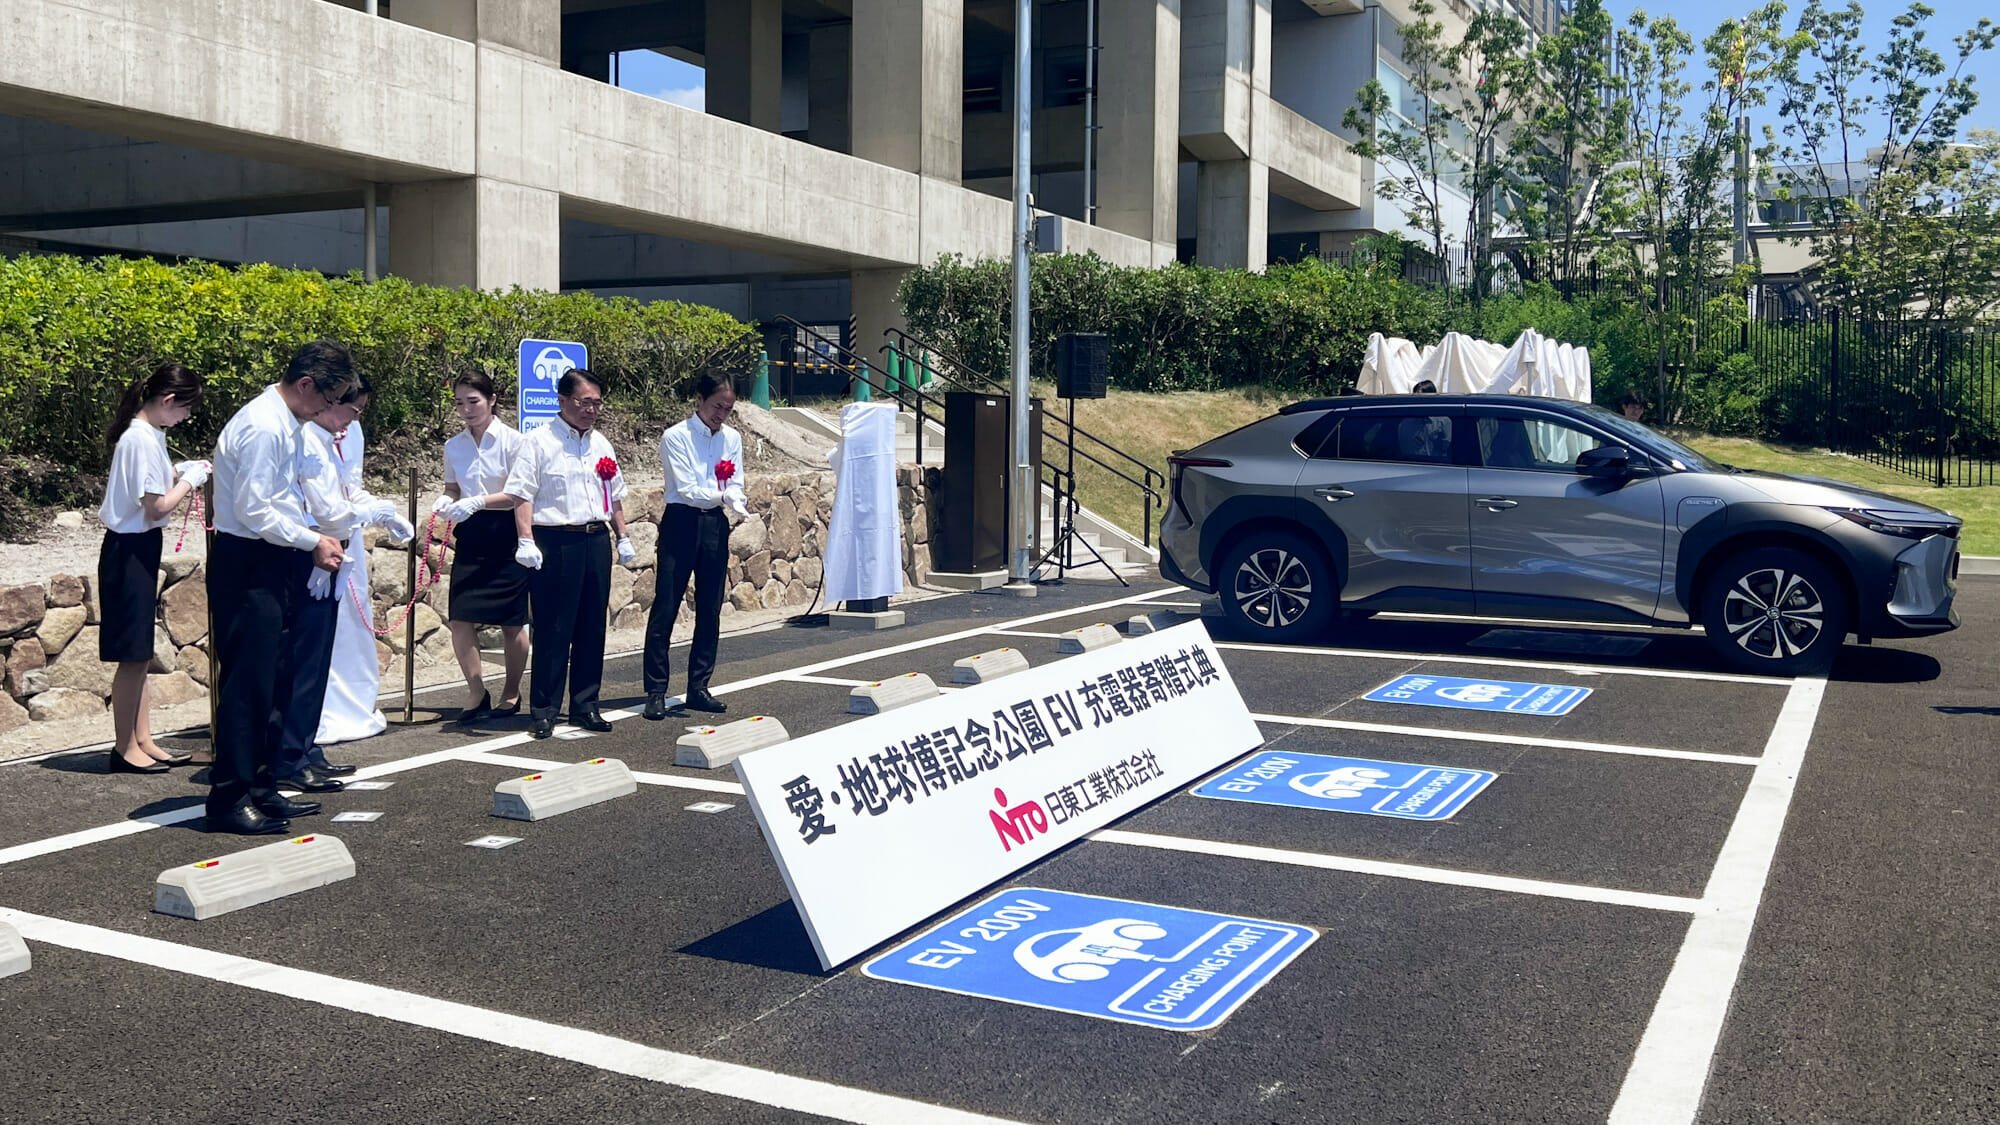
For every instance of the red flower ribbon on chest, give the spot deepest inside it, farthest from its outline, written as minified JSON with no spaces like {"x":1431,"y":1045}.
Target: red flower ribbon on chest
{"x":606,"y":469}
{"x":724,"y":469}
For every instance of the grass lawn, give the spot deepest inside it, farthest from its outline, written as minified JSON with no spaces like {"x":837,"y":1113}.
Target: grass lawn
{"x":1149,"y":426}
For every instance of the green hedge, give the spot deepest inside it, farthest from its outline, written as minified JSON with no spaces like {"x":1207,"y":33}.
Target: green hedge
{"x":74,"y":332}
{"x":1301,"y":326}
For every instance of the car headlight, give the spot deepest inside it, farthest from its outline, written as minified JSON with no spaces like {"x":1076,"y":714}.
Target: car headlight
{"x":1894,"y":523}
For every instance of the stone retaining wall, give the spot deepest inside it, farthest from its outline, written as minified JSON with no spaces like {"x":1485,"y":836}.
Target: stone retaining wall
{"x":48,"y":631}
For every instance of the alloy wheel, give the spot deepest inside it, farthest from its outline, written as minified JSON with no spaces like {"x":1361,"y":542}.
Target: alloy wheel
{"x":1774,"y":613}
{"x":1273,"y":587}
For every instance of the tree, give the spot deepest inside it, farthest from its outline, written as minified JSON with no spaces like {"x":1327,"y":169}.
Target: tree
{"x":1572,"y":133}
{"x":1903,"y":225}
{"x":1412,"y":135}
{"x":1493,"y":52}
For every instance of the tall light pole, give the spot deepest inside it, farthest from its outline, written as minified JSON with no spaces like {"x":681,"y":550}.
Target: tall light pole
{"x":1021,"y":497}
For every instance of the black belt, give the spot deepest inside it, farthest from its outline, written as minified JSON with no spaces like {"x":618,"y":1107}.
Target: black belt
{"x":717,"y":510}
{"x":591,"y":528}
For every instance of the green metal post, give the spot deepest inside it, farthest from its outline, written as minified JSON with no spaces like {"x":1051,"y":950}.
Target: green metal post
{"x":760,"y":392}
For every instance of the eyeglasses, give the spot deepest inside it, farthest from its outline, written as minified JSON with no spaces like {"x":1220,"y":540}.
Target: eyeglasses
{"x":588,"y":405}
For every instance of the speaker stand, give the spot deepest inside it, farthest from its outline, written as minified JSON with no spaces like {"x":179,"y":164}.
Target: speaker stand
{"x":1067,"y":540}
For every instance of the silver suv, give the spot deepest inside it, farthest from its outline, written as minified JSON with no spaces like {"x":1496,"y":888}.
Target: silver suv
{"x":1510,"y":506}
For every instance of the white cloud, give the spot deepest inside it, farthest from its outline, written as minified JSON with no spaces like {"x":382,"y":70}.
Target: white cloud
{"x":693,"y":97}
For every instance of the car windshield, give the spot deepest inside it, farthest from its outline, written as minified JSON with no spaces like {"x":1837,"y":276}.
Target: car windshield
{"x":1684,"y":457}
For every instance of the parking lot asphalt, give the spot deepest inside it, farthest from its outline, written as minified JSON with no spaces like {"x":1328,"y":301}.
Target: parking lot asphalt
{"x":1696,"y":897}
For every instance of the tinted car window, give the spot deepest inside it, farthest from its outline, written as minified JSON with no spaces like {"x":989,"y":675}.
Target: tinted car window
{"x":1509,"y":441}
{"x":1317,"y":440}
{"x":1424,"y":438}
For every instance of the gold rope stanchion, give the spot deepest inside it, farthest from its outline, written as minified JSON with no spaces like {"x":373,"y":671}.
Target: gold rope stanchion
{"x":411,"y":716}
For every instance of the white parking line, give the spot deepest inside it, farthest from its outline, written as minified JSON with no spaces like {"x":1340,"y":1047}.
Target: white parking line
{"x":1509,"y":739}
{"x":834,"y":680}
{"x":1444,"y":875}
{"x":1024,"y":633}
{"x":123,"y":828}
{"x":670,"y":779}
{"x":617,"y":1056}
{"x":1671,"y":1066}
{"x":1501,"y":662}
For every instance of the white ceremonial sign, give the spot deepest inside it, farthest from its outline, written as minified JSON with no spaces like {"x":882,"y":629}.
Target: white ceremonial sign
{"x":881,"y":823}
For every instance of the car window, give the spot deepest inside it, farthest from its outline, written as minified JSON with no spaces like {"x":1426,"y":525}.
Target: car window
{"x":1396,"y":437}
{"x":1317,"y":439}
{"x":1511,"y":441}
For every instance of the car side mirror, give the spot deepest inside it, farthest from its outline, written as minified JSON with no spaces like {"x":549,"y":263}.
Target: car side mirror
{"x":1607,"y":462}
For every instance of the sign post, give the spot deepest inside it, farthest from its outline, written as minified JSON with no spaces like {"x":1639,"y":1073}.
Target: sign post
{"x":543,"y":364}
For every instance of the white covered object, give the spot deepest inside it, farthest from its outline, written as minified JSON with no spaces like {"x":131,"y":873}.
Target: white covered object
{"x":864,"y":542}
{"x":1390,"y":367}
{"x":356,"y":677}
{"x":1460,"y":364}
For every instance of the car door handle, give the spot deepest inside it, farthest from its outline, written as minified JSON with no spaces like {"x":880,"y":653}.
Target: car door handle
{"x":1333,"y":493}
{"x":1497,"y":503}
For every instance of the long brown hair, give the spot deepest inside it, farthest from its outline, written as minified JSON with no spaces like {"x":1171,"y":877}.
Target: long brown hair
{"x":166,"y":379}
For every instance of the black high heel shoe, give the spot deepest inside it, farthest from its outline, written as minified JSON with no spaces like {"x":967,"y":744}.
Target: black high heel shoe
{"x":120,"y":765}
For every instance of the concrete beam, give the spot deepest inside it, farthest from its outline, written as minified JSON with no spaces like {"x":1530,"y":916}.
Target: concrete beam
{"x":1232,"y":214}
{"x":829,"y":80}
{"x":266,"y":79}
{"x":908,"y":104}
{"x":744,"y":62}
{"x":532,"y":27}
{"x":1309,"y":165}
{"x":1138,"y":107}
{"x":1225,"y":64}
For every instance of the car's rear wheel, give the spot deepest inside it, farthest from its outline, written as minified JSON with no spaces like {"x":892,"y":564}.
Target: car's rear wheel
{"x":1775,"y":610}
{"x":1278,"y":586}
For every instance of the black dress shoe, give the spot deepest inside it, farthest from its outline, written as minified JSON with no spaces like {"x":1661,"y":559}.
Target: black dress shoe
{"x":480,"y":713}
{"x":120,"y":765}
{"x":316,"y":758}
{"x":590,"y":720}
{"x":310,"y":780}
{"x":700,"y":700}
{"x":656,"y":705}
{"x":544,"y":727}
{"x":279,"y":806}
{"x":245,"y":820}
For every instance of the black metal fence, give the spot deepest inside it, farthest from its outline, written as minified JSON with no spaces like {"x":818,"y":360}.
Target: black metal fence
{"x":1919,"y":397}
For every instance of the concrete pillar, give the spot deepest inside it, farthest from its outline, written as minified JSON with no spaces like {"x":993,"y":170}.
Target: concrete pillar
{"x":829,"y":70}
{"x":1232,"y":214}
{"x":477,"y":231}
{"x":909,"y":85}
{"x":872,"y":300}
{"x":1138,"y":105}
{"x":743,"y":62}
{"x":533,"y":27}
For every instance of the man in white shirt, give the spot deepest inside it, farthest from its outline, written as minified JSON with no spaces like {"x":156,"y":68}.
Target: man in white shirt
{"x":703,"y":457}
{"x":570,"y":482}
{"x":265,"y":548}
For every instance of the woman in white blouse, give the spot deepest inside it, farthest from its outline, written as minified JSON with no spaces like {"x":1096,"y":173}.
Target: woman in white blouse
{"x":140,"y":493}
{"x":488,"y":587}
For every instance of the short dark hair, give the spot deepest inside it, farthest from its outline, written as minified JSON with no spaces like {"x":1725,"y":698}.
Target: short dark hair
{"x":330,"y":367}
{"x":362,"y":389}
{"x":475,"y":380}
{"x":708,"y":384}
{"x":567,"y":384}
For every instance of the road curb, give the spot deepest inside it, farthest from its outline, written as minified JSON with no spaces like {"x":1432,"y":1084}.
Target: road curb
{"x":1979,"y":564}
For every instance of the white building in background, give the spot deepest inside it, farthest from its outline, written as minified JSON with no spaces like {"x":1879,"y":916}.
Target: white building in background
{"x":840,"y":143}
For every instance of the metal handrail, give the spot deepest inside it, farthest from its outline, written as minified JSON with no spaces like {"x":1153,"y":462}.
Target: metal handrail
{"x":1152,"y":492}
{"x":861,"y":365}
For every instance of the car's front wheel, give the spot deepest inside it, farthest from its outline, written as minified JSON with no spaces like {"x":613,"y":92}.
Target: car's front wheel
{"x":1775,"y":610}
{"x":1278,"y":586}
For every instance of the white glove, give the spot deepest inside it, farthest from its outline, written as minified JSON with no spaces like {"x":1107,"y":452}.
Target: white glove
{"x":195,"y":473}
{"x":400,"y":529}
{"x":376,"y":512}
{"x":442,"y":504}
{"x":528,"y":555}
{"x":320,"y":585}
{"x":742,"y":510}
{"x":626,"y":552}
{"x":462,"y":510}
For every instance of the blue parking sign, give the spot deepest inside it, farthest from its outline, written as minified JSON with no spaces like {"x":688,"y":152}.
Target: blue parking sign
{"x":1135,"y":962}
{"x":543,"y":364}
{"x":1357,"y":785}
{"x":1481,"y":695}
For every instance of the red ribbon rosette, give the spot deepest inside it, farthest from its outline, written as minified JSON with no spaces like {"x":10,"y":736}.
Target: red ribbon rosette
{"x":606,"y":469}
{"x":724,"y":469}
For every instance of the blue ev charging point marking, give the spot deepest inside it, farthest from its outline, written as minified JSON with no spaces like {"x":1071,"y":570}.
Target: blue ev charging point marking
{"x":1158,"y":966}
{"x":1355,"y":785}
{"x":1481,"y":695}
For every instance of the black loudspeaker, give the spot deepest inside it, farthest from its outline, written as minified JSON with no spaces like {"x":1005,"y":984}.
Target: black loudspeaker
{"x":1081,"y":360}
{"x":972,"y":513}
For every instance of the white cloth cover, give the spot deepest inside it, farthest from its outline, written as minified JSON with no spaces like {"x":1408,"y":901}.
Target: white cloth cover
{"x":1459,"y":364}
{"x":356,"y":676}
{"x":864,"y":540}
{"x":1391,"y":365}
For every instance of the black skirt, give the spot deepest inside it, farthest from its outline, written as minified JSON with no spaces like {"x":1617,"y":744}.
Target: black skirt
{"x":128,"y":568}
{"x":487,"y":586}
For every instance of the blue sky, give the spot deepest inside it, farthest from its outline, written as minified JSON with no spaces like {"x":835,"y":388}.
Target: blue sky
{"x":657,"y":76}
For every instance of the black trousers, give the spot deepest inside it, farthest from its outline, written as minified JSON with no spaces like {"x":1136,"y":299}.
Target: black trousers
{"x":254,"y":589}
{"x":567,"y":599}
{"x":312,"y":662}
{"x":693,"y":541}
